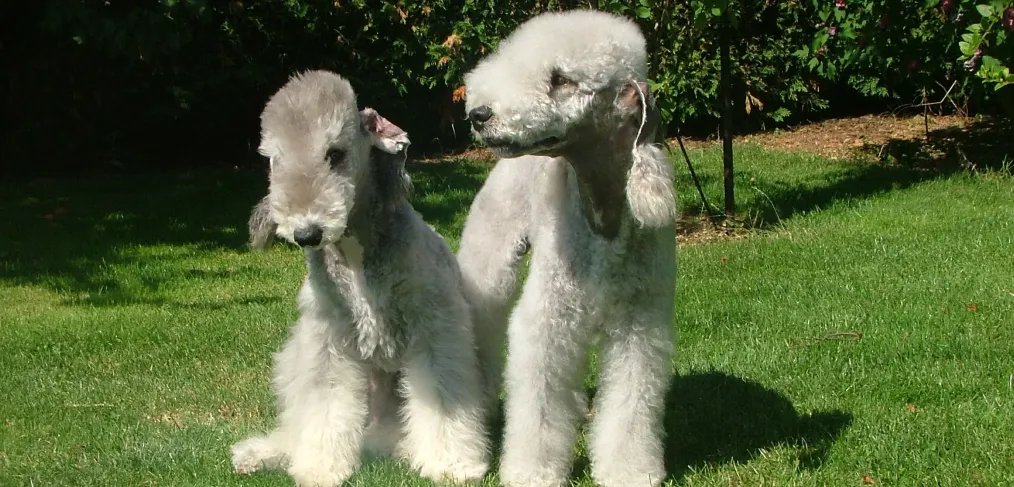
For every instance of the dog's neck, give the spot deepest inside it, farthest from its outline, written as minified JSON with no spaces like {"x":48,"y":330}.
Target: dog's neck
{"x":601,"y":166}
{"x":372,"y":214}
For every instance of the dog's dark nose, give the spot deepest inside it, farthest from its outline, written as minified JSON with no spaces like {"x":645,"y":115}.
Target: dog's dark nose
{"x":309,"y":236}
{"x":479,"y":116}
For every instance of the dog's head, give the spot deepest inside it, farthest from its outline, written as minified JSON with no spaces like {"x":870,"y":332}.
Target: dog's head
{"x":559,"y":78}
{"x":319,"y":147}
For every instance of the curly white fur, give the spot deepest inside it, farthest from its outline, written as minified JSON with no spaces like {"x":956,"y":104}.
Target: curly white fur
{"x":563,"y":99}
{"x":382,"y":356}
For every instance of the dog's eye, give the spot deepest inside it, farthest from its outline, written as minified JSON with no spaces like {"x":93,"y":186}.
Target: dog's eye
{"x":335,"y":157}
{"x":557,"y":80}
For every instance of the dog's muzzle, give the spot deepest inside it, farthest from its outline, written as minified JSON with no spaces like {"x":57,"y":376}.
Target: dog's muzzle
{"x":308,"y":236}
{"x":478,"y":116}
{"x":509,"y":148}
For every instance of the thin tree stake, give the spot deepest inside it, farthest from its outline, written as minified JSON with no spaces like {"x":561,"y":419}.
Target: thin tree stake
{"x":693,"y":175}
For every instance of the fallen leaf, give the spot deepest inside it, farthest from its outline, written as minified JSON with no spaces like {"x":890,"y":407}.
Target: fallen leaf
{"x":867,"y":480}
{"x":911,"y":408}
{"x":973,"y":307}
{"x":725,"y":259}
{"x":945,"y":310}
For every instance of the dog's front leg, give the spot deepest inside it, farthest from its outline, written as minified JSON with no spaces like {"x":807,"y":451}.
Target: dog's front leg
{"x":626,"y":434}
{"x":327,"y":426}
{"x":547,"y":345}
{"x":324,"y":392}
{"x":374,"y":338}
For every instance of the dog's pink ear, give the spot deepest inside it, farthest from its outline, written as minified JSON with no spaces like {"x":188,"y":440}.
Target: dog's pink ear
{"x":630,"y":98}
{"x":385,"y":135}
{"x":635,"y":99}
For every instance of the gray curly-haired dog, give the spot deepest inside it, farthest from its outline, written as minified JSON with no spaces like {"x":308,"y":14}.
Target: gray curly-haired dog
{"x":383,"y":351}
{"x":563,"y":101}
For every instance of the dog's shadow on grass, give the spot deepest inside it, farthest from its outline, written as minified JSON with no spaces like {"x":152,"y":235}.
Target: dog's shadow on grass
{"x":713,"y":418}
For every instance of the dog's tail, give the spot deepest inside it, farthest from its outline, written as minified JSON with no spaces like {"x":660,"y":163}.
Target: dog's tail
{"x":262,"y":227}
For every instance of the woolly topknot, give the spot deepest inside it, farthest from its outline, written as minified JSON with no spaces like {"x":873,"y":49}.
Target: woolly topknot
{"x":543,"y":78}
{"x":598,"y":46}
{"x":310,"y":105}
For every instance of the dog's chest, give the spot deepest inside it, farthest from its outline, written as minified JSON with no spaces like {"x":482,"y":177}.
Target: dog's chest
{"x":601,"y":262}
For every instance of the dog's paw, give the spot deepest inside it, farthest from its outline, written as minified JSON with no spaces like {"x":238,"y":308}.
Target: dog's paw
{"x":455,"y":474}
{"x":367,"y":341}
{"x":526,"y":476}
{"x":316,"y":475}
{"x":376,"y":343}
{"x":252,"y":454}
{"x":637,"y":473}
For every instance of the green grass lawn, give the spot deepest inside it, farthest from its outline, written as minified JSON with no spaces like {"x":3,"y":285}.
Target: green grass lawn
{"x":865,"y":328}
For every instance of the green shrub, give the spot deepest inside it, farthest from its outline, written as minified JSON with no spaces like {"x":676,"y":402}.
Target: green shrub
{"x":182,"y":81}
{"x":914,"y":49}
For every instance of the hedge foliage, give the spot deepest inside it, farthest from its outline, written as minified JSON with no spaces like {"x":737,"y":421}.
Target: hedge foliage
{"x":97,"y":82}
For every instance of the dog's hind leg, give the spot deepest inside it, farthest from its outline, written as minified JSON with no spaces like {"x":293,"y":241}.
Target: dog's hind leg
{"x":445,"y":435}
{"x":384,"y":430}
{"x":626,"y":433}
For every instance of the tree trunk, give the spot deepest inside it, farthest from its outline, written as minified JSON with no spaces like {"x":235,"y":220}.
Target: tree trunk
{"x":726,"y":88}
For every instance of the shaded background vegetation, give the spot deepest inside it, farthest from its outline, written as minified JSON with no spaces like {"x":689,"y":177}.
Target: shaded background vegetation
{"x":98,"y":85}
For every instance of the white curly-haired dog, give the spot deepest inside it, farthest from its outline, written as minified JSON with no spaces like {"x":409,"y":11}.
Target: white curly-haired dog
{"x":384,"y":330}
{"x":563,"y":101}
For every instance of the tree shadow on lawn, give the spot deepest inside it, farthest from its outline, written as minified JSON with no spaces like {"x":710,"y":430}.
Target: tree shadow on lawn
{"x":982,"y":145}
{"x":985,"y":144}
{"x":713,"y":418}
{"x":777,"y":201}
{"x":66,"y":234}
